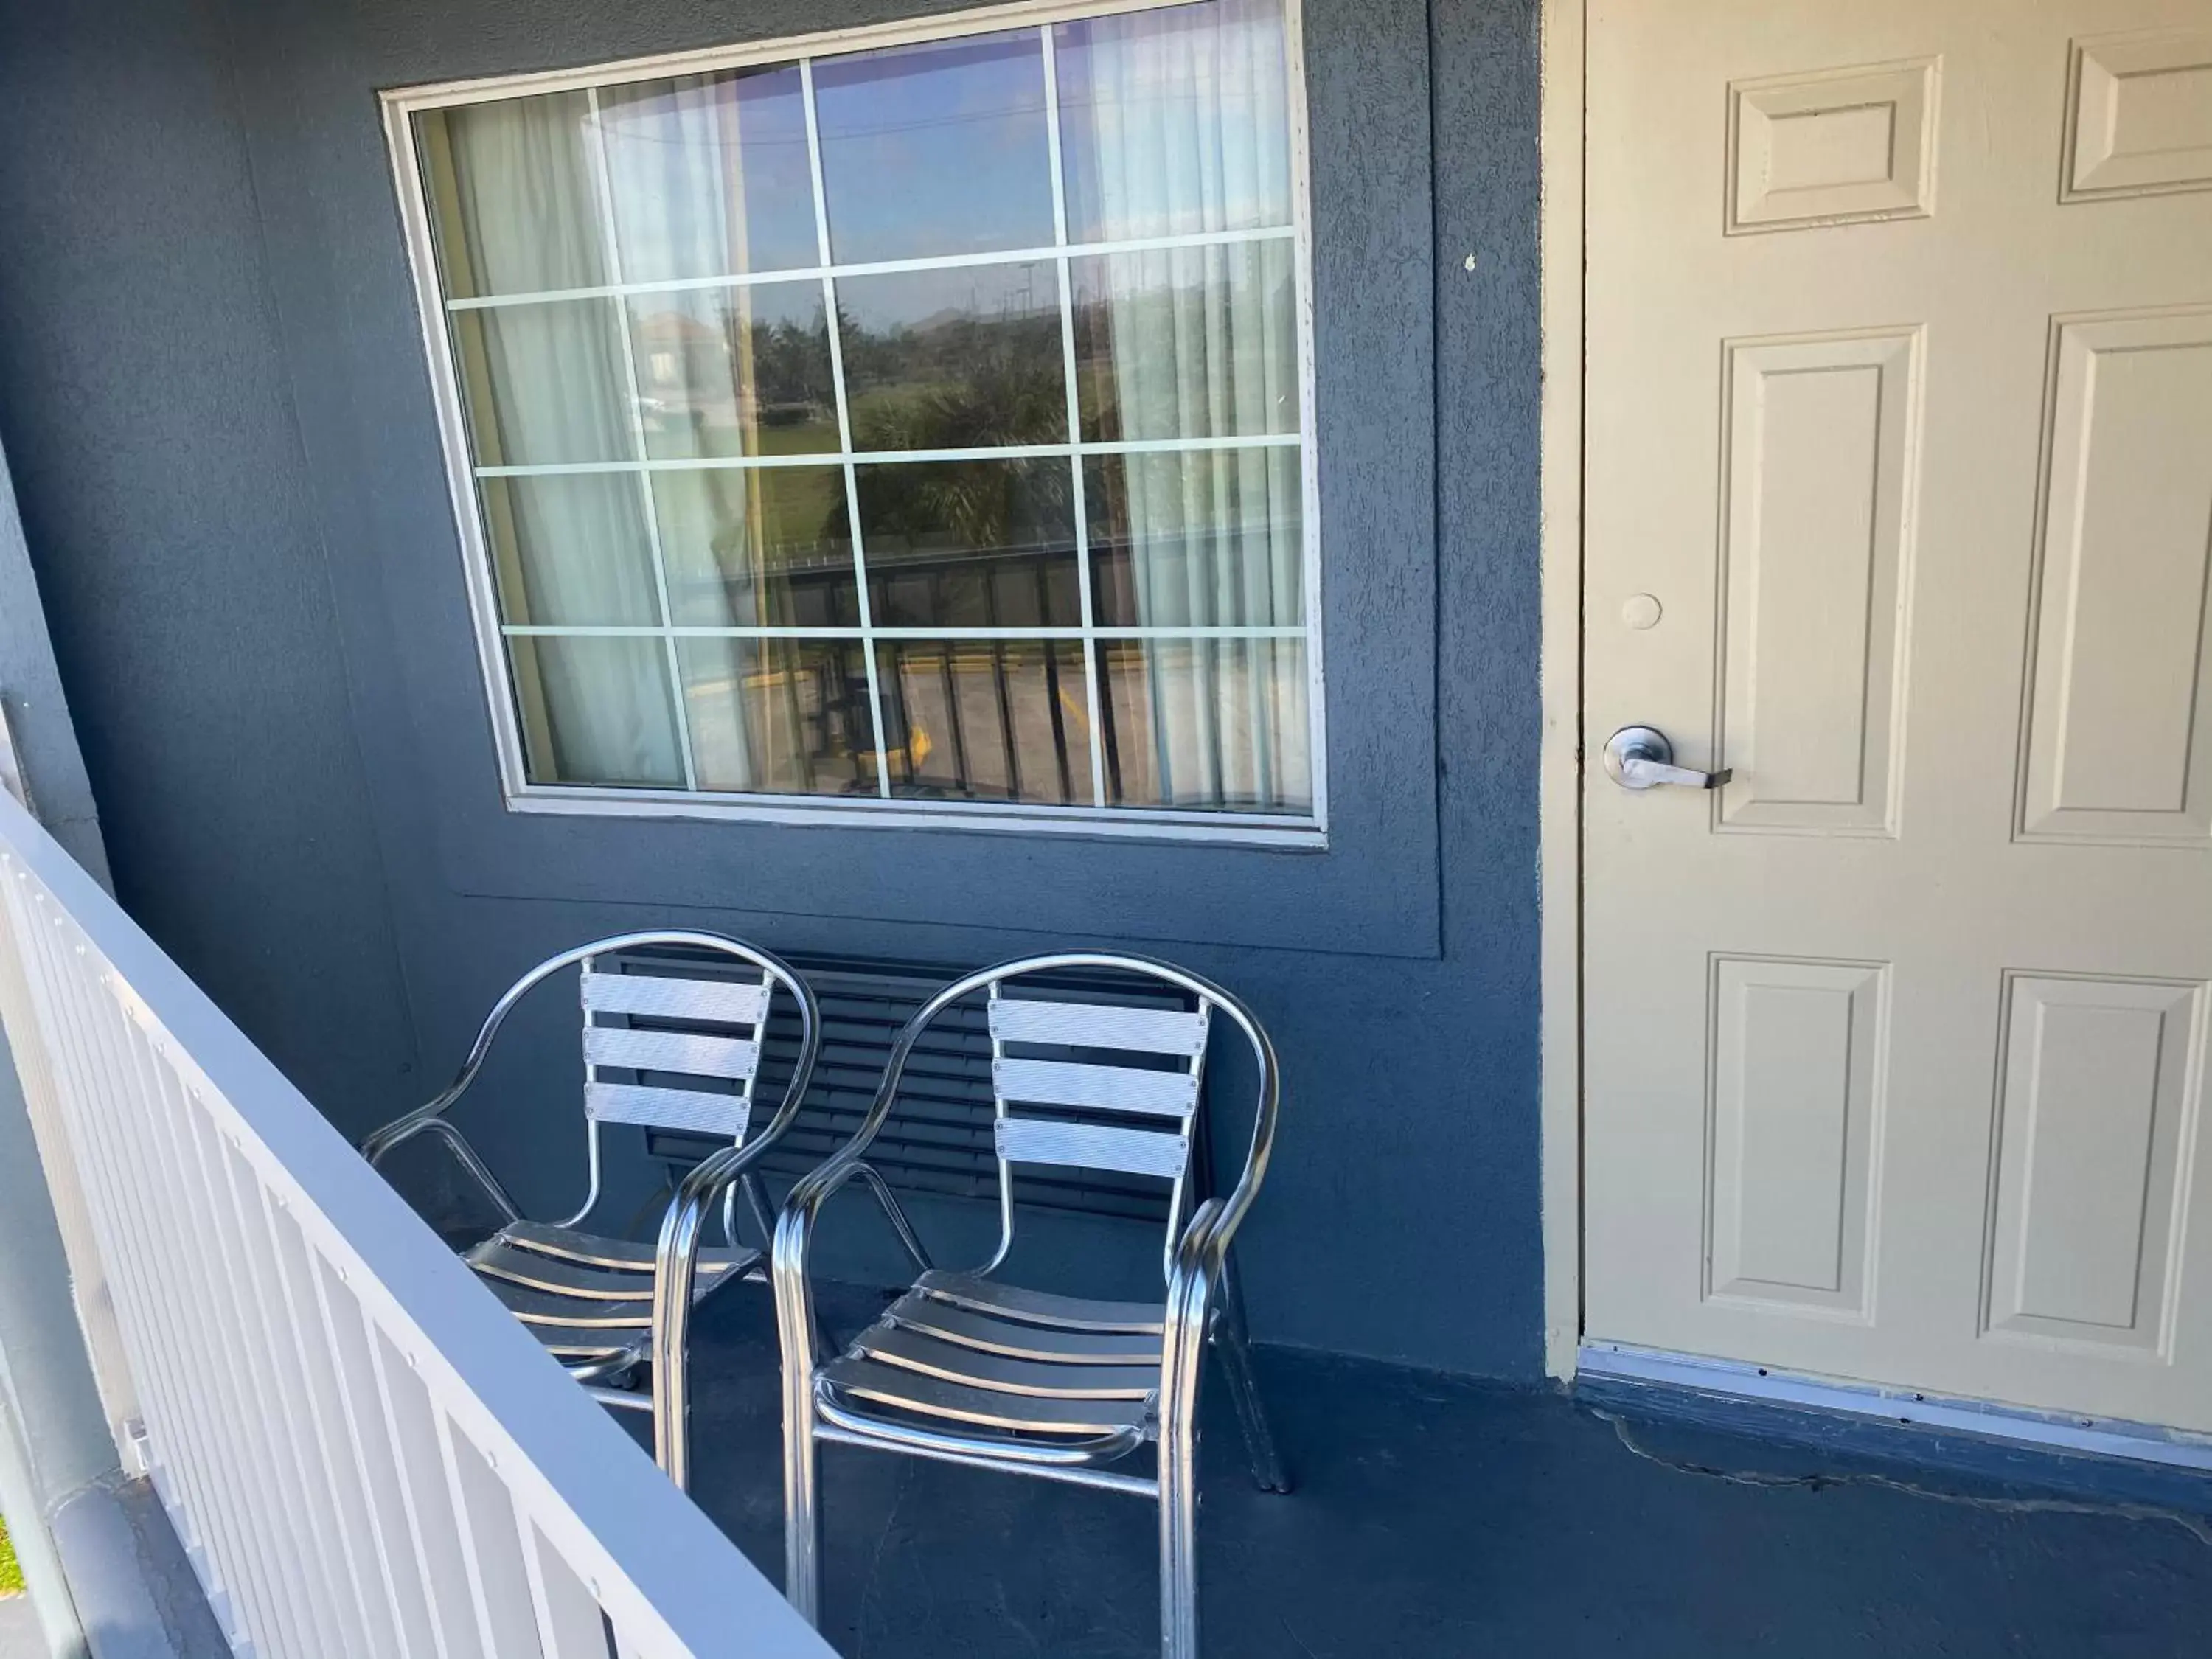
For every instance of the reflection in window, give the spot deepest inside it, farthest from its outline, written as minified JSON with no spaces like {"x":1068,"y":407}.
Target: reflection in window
{"x":969,"y":357}
{"x":780,"y":716}
{"x":1144,"y":94}
{"x":1187,"y":342}
{"x":987,"y":720}
{"x":708,"y":174}
{"x":760,"y":547}
{"x":734,"y":371}
{"x":1196,"y":538}
{"x":1218,"y":723}
{"x":936,"y":148}
{"x":827,"y":443}
{"x":976,"y":543}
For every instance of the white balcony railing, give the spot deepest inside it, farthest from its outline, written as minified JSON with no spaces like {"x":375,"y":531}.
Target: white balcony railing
{"x":362,"y":1453}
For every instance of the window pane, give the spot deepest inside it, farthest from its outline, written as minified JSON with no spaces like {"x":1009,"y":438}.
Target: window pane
{"x":596,"y":710}
{"x":1187,"y":342}
{"x":544,"y":383}
{"x":1196,"y":538}
{"x":971,"y":543}
{"x":757,"y":547}
{"x":512,"y":201}
{"x":709,"y":175}
{"x":734,"y":371}
{"x":1175,"y":121}
{"x":965,"y":358}
{"x":571,"y":549}
{"x":987,"y":720}
{"x":936,"y":148}
{"x":785,"y":717}
{"x":1209,"y":724}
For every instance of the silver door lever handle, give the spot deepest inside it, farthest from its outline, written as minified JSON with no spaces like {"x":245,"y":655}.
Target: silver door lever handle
{"x":1640,"y":757}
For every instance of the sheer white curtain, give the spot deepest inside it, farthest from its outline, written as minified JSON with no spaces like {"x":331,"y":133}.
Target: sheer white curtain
{"x":545,"y":383}
{"x":1188,"y":131}
{"x":677,"y":168}
{"x":548,"y":384}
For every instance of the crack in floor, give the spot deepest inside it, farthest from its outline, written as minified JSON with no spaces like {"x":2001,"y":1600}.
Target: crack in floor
{"x":2194,"y":1526}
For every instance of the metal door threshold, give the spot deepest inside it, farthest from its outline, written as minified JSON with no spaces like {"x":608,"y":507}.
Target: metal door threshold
{"x":1612,"y":1362}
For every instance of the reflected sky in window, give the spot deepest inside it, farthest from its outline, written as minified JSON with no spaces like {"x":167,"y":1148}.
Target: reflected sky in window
{"x":936,"y":148}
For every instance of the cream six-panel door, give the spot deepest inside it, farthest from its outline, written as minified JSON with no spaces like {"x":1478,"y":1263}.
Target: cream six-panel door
{"x":1899,"y":505}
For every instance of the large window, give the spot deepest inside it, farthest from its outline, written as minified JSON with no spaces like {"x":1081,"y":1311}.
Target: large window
{"x":918,"y":425}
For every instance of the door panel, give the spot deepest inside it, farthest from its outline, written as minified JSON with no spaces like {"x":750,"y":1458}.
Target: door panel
{"x":1899,"y":403}
{"x":1818,"y":455}
{"x":2092,"y":1110}
{"x":2120,"y":719}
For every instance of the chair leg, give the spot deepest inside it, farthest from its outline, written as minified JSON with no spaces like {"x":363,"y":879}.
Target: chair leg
{"x":802,"y":1510}
{"x":1233,"y":1343}
{"x":1178,"y":1544}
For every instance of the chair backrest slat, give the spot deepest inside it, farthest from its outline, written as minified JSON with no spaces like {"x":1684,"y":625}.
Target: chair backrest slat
{"x":722,"y":1115}
{"x":1096,"y":1088}
{"x":1092,"y":1146}
{"x":1098,"y":1062}
{"x":709,"y":1001}
{"x":1099,"y":1025}
{"x":694,"y":1052}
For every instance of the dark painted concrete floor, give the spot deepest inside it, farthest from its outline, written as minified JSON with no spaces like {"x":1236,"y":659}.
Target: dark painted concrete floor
{"x":1436,"y":1516}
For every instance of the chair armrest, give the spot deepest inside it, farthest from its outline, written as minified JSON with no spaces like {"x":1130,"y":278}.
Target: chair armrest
{"x":1198,"y":1262}
{"x":430,"y":1120}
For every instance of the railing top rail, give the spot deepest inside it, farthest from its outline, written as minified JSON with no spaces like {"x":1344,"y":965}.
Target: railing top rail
{"x":649,"y":1556}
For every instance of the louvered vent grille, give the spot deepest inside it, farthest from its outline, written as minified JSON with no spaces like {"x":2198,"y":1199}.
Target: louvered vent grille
{"x":939,"y":1139}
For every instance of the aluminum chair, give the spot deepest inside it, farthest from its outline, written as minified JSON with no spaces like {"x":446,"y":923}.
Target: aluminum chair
{"x":966,"y":1369}
{"x":665,"y":1048}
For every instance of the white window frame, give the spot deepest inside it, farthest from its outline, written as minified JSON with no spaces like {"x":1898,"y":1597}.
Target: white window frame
{"x":1310,"y":830}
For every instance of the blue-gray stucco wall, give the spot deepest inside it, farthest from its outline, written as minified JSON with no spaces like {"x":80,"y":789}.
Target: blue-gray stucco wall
{"x":212,"y":384}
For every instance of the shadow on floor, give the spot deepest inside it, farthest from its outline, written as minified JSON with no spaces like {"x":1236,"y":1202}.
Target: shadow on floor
{"x":1436,"y":1516}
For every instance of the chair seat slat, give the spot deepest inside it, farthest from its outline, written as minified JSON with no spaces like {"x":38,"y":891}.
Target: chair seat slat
{"x":921,"y":1312}
{"x":692,"y":1052}
{"x":718,"y":1002}
{"x":930,"y":1396}
{"x":1099,"y":1025}
{"x":498,"y":1257}
{"x":1091,"y":1147}
{"x":569,"y":1243}
{"x":1097,"y":1088}
{"x":693,"y":1109}
{"x":1045,"y":1308}
{"x":918,"y":1351}
{"x":536,"y":1306}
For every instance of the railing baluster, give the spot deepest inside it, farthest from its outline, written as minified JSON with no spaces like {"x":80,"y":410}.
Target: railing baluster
{"x":570,"y":1622}
{"x":349,"y":1546}
{"x":407,"y":1416}
{"x":365,"y":1456}
{"x":208,"y":1332}
{"x":375,"y":1459}
{"x":490,"y":1550}
{"x":326,"y":1588}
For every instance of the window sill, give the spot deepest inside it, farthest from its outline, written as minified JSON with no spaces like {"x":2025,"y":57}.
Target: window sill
{"x":1287,"y":834}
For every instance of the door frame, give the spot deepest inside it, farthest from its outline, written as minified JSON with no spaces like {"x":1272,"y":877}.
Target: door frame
{"x":1559,"y":825}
